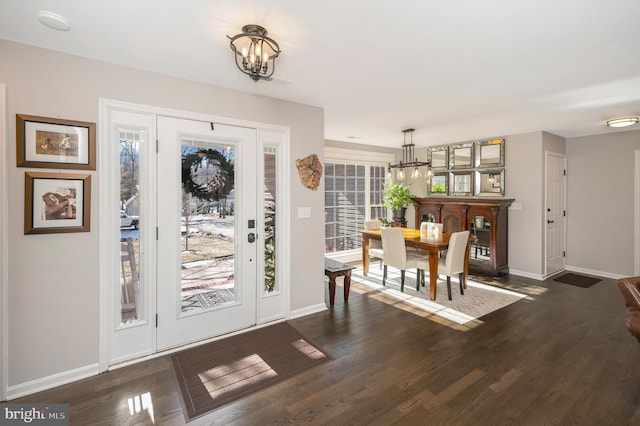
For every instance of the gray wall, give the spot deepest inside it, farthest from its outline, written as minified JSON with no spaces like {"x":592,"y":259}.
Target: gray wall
{"x":600,"y":230}
{"x":523,"y":181}
{"x":53,"y":295}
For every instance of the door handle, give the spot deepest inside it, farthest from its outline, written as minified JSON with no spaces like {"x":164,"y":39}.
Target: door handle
{"x":549,"y":221}
{"x":251,"y":237}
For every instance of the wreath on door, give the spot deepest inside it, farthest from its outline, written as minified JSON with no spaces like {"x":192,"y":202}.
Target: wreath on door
{"x":199,"y":185}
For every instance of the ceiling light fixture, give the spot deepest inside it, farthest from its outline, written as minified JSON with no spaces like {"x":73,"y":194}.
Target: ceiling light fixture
{"x":409,"y":160}
{"x":623,"y":121}
{"x":255,"y":53}
{"x":53,"y":21}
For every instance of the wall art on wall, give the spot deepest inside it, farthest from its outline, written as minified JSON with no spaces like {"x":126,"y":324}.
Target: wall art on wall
{"x":56,"y":203}
{"x":310,"y":171}
{"x":55,"y":143}
{"x":490,"y":153}
{"x":489,"y":182}
{"x":439,"y":157}
{"x":438,"y":185}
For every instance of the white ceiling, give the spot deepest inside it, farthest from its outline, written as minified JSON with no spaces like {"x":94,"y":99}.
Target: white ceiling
{"x":454,"y":70}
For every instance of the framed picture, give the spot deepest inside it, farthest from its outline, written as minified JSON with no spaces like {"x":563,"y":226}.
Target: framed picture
{"x":55,"y":143}
{"x":56,"y":203}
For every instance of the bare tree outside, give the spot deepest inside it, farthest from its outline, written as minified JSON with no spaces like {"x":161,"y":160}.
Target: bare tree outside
{"x":129,"y":169}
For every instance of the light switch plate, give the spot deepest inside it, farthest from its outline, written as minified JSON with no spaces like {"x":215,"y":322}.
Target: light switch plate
{"x":304,"y":212}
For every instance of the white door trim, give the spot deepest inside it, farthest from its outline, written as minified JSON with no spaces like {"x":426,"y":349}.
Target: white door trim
{"x":106,"y":233}
{"x":636,"y":258}
{"x":4,"y":247}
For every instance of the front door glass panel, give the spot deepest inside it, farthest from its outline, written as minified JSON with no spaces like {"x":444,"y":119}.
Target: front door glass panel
{"x":207,"y":225}
{"x":130,"y":226}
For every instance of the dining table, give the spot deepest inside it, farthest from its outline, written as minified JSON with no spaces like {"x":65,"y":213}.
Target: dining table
{"x":432,"y":246}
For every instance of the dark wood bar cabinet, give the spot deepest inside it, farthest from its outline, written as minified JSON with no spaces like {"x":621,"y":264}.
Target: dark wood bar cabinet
{"x":485,"y":218}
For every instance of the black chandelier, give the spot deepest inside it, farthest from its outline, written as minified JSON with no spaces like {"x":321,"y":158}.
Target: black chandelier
{"x":409,"y":160}
{"x":255,"y":53}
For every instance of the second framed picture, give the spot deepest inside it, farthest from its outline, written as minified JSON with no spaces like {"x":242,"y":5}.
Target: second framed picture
{"x":55,"y":143}
{"x":56,"y":203}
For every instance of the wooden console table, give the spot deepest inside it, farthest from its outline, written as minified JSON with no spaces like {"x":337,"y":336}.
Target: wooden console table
{"x":334,"y":269}
{"x":459,"y":214}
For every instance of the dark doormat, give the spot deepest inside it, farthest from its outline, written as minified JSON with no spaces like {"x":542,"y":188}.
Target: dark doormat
{"x":215,"y":374}
{"x":577,"y":280}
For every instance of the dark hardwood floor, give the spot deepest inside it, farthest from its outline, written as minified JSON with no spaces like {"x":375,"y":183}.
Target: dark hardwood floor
{"x":561,"y":356}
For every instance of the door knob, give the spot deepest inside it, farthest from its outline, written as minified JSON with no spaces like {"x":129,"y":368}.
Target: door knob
{"x":251,"y":237}
{"x":549,"y":221}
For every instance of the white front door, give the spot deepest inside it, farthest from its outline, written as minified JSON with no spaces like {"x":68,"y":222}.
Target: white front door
{"x":555,"y":213}
{"x":206,"y":216}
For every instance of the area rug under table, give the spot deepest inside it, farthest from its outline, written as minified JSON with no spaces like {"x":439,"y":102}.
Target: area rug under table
{"x":223,"y":371}
{"x":478,"y":300}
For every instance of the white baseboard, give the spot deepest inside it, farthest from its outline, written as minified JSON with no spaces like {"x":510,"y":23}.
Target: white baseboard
{"x":308,"y":310}
{"x":52,"y":381}
{"x":596,"y":273}
{"x":570,"y":269}
{"x":538,"y":277}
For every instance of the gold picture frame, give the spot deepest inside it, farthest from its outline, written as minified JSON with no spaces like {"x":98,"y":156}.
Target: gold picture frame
{"x":57,"y":203}
{"x":55,"y":143}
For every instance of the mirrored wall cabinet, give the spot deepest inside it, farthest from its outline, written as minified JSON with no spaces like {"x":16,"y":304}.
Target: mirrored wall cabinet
{"x":470,"y":169}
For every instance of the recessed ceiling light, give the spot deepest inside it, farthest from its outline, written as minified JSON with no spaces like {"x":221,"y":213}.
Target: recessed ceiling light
{"x":623,"y":121}
{"x":53,"y":21}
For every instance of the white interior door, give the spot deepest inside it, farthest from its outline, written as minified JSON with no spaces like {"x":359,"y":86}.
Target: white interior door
{"x":207,"y":211}
{"x":555,"y":213}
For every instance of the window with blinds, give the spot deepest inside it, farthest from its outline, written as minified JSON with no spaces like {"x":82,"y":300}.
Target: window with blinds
{"x":353,"y":194}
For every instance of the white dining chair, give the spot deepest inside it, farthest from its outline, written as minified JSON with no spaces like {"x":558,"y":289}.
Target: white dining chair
{"x":375,"y":246}
{"x":397,"y":256}
{"x":453,"y":263}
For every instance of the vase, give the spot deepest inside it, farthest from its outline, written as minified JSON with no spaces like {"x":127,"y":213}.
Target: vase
{"x":398,"y":215}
